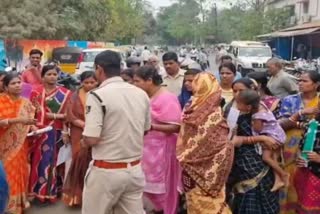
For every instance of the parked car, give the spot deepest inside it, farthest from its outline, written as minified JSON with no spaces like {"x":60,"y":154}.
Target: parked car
{"x":250,"y":56}
{"x":86,"y":59}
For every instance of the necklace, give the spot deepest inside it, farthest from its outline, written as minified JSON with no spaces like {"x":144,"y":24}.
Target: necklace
{"x":49,"y":90}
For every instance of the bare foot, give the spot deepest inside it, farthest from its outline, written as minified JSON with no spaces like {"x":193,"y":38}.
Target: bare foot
{"x":278,"y":183}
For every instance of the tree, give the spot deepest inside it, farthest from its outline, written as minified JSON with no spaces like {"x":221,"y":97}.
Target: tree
{"x":163,"y":19}
{"x":183,"y":25}
{"x":28,"y":19}
{"x":276,"y":19}
{"x":179,"y":23}
{"x":104,"y":20}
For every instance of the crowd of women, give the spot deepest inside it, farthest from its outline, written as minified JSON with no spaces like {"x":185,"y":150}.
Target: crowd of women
{"x":191,"y":155}
{"x":30,"y":161}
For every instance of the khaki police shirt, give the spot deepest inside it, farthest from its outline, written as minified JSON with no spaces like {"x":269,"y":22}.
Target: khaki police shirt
{"x":174,"y":84}
{"x":121,"y":129}
{"x":282,"y":85}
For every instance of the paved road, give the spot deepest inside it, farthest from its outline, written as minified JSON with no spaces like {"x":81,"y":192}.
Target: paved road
{"x":213,"y":66}
{"x":58,"y":208}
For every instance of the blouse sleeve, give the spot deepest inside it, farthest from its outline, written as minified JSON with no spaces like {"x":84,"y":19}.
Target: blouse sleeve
{"x":69,"y":105}
{"x":286,"y":108}
{"x":166,"y":109}
{"x":35,"y":99}
{"x":64,"y":107}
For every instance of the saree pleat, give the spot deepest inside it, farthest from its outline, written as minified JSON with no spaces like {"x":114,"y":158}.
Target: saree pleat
{"x":81,"y":156}
{"x":14,"y":151}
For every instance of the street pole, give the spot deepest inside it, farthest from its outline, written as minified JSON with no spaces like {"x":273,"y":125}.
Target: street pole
{"x":216,"y":19}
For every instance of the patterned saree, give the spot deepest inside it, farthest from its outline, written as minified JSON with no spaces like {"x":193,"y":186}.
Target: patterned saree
{"x":203,"y":149}
{"x":46,"y":178}
{"x":14,"y":151}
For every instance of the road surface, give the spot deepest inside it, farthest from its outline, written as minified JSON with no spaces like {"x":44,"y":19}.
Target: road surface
{"x":58,"y":208}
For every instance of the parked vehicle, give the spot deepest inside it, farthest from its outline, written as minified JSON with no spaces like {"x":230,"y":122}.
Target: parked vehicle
{"x":298,"y":66}
{"x":3,"y":57}
{"x":68,"y":81}
{"x":67,"y":58}
{"x":87,"y":56}
{"x":250,"y":56}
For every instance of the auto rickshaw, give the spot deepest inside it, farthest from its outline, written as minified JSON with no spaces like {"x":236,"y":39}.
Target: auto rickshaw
{"x":67,"y":58}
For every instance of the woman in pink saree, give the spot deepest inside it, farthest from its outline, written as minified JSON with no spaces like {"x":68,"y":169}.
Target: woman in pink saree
{"x":159,"y":160}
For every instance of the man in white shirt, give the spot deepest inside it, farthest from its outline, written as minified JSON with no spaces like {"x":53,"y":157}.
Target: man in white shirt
{"x":117,"y":117}
{"x":194,"y":54}
{"x":154,"y":61}
{"x":174,"y":76}
{"x":145,"y":55}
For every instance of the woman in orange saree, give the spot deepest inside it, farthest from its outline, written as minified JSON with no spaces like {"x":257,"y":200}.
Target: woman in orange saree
{"x":16,"y":117}
{"x":81,"y":156}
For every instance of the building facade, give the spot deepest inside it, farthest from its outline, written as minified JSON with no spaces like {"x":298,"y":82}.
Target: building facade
{"x":302,"y":11}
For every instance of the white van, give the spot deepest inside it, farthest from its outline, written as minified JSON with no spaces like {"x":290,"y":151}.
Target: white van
{"x":250,"y":56}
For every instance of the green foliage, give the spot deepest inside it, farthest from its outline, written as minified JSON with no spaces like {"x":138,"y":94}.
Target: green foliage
{"x":164,"y":19}
{"x":276,"y":19}
{"x":191,"y":21}
{"x":185,"y":21}
{"x":26,"y":18}
{"x":179,"y":22}
{"x":105,"y":20}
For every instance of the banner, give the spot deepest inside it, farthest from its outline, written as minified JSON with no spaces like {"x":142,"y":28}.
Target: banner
{"x":16,"y":52}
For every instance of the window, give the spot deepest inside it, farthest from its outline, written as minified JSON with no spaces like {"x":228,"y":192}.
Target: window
{"x":255,"y":52}
{"x":305,"y":7}
{"x":291,"y":10}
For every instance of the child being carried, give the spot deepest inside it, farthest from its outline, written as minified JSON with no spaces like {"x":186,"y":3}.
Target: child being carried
{"x":265,"y":123}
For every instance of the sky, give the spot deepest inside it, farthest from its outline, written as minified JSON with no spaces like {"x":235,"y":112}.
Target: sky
{"x":160,"y":3}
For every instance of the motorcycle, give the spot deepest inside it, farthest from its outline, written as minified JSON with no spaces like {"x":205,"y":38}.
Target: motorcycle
{"x":298,"y":66}
{"x":68,"y":81}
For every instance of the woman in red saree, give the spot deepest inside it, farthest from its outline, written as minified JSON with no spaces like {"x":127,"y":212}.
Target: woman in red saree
{"x":16,"y":117}
{"x":81,"y":156}
{"x":50,"y":101}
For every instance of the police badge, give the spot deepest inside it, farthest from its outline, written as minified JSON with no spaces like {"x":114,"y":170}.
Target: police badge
{"x":88,"y":109}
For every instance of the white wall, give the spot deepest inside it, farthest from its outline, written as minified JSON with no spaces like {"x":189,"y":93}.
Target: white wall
{"x":313,"y":11}
{"x":282,"y":3}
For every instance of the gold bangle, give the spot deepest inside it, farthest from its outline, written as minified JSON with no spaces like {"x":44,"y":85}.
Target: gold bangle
{"x":64,"y":132}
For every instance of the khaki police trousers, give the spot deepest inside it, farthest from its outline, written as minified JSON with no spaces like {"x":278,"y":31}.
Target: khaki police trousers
{"x":113,"y":191}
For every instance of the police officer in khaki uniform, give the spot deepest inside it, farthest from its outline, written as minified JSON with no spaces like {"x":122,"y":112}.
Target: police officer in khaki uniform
{"x":117,"y":116}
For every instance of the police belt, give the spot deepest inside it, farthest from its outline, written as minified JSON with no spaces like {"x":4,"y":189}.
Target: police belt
{"x":109,"y":165}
